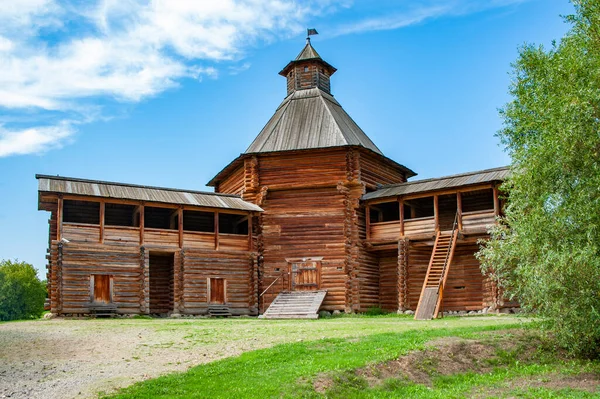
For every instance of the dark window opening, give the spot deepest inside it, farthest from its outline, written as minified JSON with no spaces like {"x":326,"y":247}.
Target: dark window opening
{"x":160,"y":218}
{"x":480,"y":200}
{"x":121,"y":215}
{"x":199,"y":221}
{"x":385,"y":212}
{"x":418,"y":208}
{"x":447,"y":206}
{"x":230,"y":223}
{"x":81,"y":212}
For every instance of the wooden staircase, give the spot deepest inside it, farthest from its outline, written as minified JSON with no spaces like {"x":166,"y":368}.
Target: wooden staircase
{"x":433,"y":287}
{"x":296,"y":305}
{"x":219,"y":311}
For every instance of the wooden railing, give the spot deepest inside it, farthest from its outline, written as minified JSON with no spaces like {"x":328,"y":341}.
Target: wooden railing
{"x":281,"y":278}
{"x":478,"y":221}
{"x":419,"y":226}
{"x":385,"y":231}
{"x":115,"y":235}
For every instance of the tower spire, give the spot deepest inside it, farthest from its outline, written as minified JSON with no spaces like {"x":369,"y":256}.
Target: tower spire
{"x":308,"y":70}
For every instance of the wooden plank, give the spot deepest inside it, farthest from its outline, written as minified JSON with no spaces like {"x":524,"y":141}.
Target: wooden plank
{"x":142,"y":224}
{"x":216,"y":231}
{"x":180,"y":226}
{"x":102,"y":209}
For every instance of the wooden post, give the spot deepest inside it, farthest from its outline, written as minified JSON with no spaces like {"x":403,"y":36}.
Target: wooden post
{"x":459,"y":210}
{"x":180,"y":225}
{"x":216,"y":230}
{"x":250,"y":232}
{"x":401,"y":205}
{"x":102,"y":213}
{"x":142,"y":224}
{"x":496,"y":201}
{"x":368,"y":221}
{"x":59,"y":219}
{"x":436,"y":213}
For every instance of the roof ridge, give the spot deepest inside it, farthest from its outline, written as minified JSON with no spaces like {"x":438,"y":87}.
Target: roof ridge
{"x":76,"y":179}
{"x":444,"y":177}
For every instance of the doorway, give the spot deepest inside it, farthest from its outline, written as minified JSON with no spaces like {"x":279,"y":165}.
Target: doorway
{"x":161,"y":282}
{"x":217,"y":291}
{"x":305,"y":275}
{"x":102,"y":288}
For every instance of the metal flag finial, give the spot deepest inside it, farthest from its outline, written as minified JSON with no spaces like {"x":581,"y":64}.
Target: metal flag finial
{"x":310,"y":32}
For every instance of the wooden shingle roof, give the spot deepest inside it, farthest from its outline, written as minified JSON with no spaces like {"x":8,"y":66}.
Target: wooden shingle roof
{"x":104,"y":189}
{"x":440,"y":183}
{"x":309,"y":119}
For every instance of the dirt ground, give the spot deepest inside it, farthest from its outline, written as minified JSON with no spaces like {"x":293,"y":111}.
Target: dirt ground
{"x":70,"y":358}
{"x":75,"y":359}
{"x":453,"y":355}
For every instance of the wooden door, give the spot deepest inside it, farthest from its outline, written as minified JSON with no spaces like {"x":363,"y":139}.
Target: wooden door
{"x":102,"y":288}
{"x":217,"y":290}
{"x":306,"y":276}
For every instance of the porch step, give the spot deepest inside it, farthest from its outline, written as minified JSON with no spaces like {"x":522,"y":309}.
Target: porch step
{"x":296,"y":305}
{"x":219,"y":311}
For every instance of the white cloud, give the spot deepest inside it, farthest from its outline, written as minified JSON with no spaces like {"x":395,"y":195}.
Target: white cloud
{"x":59,"y":56}
{"x":33,"y":140}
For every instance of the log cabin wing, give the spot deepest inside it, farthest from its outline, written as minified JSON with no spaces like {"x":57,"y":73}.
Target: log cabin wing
{"x":149,"y":250}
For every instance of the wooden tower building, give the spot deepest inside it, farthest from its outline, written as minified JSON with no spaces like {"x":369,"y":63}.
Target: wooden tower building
{"x":312,"y":206}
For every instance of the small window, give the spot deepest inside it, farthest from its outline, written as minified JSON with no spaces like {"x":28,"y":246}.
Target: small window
{"x":230,"y":223}
{"x":199,"y":221}
{"x":81,"y":212}
{"x":305,"y":69}
{"x":120,"y":215}
{"x":160,"y":218}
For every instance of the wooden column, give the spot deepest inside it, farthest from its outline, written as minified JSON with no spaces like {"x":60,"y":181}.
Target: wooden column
{"x":459,"y":210}
{"x":368,"y":221}
{"x":102,"y":213}
{"x":59,"y":219}
{"x":142,"y":224}
{"x":250,"y":231}
{"x":496,"y":201}
{"x":401,"y":205}
{"x":436,"y":213}
{"x":180,"y":225}
{"x":217,"y":231}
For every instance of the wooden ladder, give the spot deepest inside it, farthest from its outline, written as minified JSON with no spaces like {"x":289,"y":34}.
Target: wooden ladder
{"x":437,"y":273}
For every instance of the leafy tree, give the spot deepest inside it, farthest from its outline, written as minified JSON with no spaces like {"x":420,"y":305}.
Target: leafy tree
{"x":22,"y":294}
{"x":546,"y":251}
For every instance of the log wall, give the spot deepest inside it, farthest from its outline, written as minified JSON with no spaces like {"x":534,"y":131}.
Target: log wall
{"x":80,"y":261}
{"x":464,"y":286}
{"x":233,"y":266}
{"x":388,"y":282}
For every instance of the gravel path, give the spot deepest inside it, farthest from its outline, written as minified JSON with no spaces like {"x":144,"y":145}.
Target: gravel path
{"x":78,"y":358}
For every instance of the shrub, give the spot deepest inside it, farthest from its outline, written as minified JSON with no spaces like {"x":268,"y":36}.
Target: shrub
{"x":22,"y":294}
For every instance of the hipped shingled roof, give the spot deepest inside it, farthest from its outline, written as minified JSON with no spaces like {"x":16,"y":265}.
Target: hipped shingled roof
{"x":104,"y":189}
{"x":309,"y":119}
{"x":440,"y":183}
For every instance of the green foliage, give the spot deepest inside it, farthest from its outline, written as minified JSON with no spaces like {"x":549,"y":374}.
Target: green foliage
{"x":22,"y":293}
{"x":546,"y":251}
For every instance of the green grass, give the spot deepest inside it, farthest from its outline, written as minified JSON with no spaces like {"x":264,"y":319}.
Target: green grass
{"x":289,"y":369}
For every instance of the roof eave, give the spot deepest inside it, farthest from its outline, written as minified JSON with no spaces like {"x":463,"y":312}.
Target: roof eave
{"x":290,"y":64}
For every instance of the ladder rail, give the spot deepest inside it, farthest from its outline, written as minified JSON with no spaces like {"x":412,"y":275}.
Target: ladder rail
{"x":437,"y":237}
{"x":435,"y":257}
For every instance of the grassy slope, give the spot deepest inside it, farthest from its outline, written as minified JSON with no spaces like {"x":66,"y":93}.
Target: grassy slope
{"x":338,"y":346}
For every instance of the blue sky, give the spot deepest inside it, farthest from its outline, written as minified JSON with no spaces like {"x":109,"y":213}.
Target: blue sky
{"x":167,"y":93}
